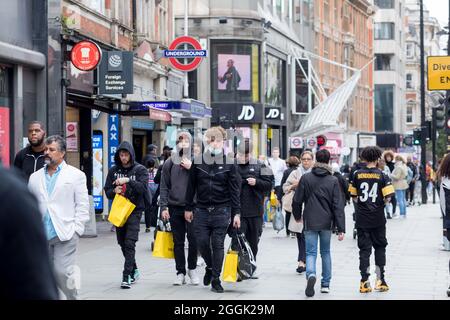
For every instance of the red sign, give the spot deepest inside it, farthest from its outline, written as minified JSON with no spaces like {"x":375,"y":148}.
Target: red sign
{"x":161,"y":115}
{"x":4,"y":136}
{"x":181,"y":41}
{"x":86,"y":55}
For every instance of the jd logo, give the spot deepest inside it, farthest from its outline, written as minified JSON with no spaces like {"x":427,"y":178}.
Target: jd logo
{"x":247,"y":113}
{"x":273,"y":113}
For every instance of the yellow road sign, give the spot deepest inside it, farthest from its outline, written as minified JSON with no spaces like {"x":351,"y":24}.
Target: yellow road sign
{"x":438,"y":73}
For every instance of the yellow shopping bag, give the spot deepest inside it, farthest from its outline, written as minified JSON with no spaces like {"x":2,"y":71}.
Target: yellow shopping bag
{"x":163,"y":247}
{"x":230,"y":268}
{"x":120,"y":210}
{"x":273,"y":199}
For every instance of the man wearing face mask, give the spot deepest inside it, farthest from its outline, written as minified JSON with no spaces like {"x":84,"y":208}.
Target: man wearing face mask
{"x":174,"y":182}
{"x":216,"y":182}
{"x":63,"y":199}
{"x":129,"y":179}
{"x":31,"y":158}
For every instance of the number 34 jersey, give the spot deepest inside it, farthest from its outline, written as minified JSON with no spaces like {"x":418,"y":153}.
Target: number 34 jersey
{"x":370,"y":186}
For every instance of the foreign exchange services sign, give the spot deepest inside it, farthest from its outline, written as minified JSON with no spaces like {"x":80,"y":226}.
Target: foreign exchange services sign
{"x":439,"y":73}
{"x":116,"y":73}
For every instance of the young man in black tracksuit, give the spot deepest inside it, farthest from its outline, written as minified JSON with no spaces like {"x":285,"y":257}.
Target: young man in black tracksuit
{"x":31,"y":158}
{"x":129,"y":179}
{"x":174,"y":182}
{"x":370,"y":188}
{"x":256,"y":180}
{"x":216,"y":182}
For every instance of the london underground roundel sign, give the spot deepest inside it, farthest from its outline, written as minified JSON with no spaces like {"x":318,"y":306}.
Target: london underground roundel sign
{"x":197,"y":54}
{"x":86,"y":55}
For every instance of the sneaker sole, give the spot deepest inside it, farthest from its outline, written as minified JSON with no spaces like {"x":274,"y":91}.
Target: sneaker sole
{"x":125,"y":287}
{"x":216,"y":291}
{"x":309,"y":291}
{"x":383,"y":289}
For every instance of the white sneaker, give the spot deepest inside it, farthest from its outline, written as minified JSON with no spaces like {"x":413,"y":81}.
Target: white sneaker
{"x":179,"y":280}
{"x":194,"y":277}
{"x":325,"y":289}
{"x":200,"y":262}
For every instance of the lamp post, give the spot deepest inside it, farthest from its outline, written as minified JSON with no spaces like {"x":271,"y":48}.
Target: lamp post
{"x":422,"y":104}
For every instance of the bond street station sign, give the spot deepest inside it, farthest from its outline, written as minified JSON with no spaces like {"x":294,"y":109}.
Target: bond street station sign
{"x":116,"y":73}
{"x":438,"y":73}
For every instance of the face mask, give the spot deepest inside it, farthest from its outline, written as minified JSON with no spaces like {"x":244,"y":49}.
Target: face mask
{"x":214,"y":151}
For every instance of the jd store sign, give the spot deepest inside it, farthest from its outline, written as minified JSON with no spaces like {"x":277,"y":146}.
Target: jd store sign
{"x":116,"y":73}
{"x":238,"y":113}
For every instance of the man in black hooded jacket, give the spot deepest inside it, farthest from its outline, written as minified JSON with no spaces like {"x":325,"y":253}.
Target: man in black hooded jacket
{"x":129,"y":179}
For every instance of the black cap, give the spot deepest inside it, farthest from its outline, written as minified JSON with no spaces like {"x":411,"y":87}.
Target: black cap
{"x":167,"y":148}
{"x":151,"y":147}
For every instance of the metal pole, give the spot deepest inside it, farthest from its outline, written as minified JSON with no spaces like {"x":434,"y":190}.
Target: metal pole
{"x":433,"y":141}
{"x":422,"y":104}
{"x":186,"y":26}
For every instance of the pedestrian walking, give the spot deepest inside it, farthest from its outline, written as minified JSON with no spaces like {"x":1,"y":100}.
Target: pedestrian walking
{"x":388,"y":157}
{"x":289,"y":187}
{"x":151,"y":210}
{"x":63,"y":198}
{"x":399,"y":181}
{"x":323,"y":212}
{"x":31,"y":158}
{"x":292,"y":164}
{"x":129,"y":179}
{"x":370,"y":189}
{"x":23,"y":245}
{"x":444,"y":176}
{"x":343,"y":184}
{"x":388,"y":205}
{"x":174,"y":183}
{"x":278,"y":167}
{"x":151,"y":155}
{"x":412,"y":183}
{"x":216,"y":183}
{"x":256,"y":182}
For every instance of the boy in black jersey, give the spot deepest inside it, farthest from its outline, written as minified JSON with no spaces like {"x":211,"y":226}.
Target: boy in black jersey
{"x":370,"y":189}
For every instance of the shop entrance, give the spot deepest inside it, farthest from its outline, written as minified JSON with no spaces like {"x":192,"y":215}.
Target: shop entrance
{"x":141,"y":139}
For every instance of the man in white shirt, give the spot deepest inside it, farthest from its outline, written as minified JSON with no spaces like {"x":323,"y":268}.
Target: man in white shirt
{"x":278,"y":167}
{"x":64,"y":203}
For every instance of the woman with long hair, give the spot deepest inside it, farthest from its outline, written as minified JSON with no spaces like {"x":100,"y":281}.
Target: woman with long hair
{"x":444,"y":177}
{"x":292,"y":163}
{"x":400,"y":184}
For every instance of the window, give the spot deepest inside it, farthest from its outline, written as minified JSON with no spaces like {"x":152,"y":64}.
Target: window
{"x":409,"y":50}
{"x":384,"y":107}
{"x":124,"y":13}
{"x":234,"y":71}
{"x":275,"y":78}
{"x":409,"y":112}
{"x":384,"y":31}
{"x":326,"y":10}
{"x":409,"y":84}
{"x":383,"y":62}
{"x":163,"y":26}
{"x":97,"y":5}
{"x":385,"y":4}
{"x":278,"y":7}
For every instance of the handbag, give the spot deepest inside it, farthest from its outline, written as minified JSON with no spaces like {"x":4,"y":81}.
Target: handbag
{"x":294,"y":226}
{"x":121,"y":209}
{"x":287,"y":200}
{"x":246,"y":259}
{"x":163,"y":246}
{"x":230,"y":267}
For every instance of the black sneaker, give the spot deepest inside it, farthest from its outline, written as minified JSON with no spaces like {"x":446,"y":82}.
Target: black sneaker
{"x":126,"y":282}
{"x":301,"y":269}
{"x":207,"y":278}
{"x":216,"y":286}
{"x":147,"y":230}
{"x":309,"y":291}
{"x":135,"y":275}
{"x":448,"y":292}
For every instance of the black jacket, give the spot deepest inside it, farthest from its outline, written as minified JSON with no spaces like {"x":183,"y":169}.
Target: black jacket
{"x":28,"y":161}
{"x":320,"y":194}
{"x":252,"y":197}
{"x":137,"y":188}
{"x":25,"y":264}
{"x":343,"y":184}
{"x":216,"y":184}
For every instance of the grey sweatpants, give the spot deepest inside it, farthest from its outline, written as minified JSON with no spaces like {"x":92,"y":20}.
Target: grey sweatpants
{"x":62,"y":257}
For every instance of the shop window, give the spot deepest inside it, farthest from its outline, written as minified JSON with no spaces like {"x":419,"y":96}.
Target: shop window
{"x":275,"y":81}
{"x":97,"y":5}
{"x":384,"y":107}
{"x":234,"y":72}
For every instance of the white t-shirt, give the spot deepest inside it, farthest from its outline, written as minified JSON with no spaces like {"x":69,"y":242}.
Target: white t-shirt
{"x":278,"y":167}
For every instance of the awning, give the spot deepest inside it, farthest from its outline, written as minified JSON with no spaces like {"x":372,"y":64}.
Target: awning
{"x":190,"y":108}
{"x":325,"y":116}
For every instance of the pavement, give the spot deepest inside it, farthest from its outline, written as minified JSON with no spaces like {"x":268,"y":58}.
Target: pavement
{"x":417,"y":267}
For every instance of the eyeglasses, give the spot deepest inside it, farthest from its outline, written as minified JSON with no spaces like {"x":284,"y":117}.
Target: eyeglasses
{"x":306,"y":159}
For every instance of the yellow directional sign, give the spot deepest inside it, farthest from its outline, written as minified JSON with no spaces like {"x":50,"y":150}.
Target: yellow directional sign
{"x":439,"y":73}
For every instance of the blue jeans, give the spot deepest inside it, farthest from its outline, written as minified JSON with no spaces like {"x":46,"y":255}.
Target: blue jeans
{"x":401,"y":201}
{"x":311,"y":241}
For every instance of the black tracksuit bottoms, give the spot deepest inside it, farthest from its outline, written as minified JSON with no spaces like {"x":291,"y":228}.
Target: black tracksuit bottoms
{"x":127,"y":236}
{"x":180,"y":227}
{"x":368,"y":238}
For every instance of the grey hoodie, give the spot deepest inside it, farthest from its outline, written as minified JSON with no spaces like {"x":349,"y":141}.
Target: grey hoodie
{"x":174,"y":178}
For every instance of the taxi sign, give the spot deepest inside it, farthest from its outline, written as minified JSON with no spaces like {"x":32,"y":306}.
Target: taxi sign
{"x":438,"y":73}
